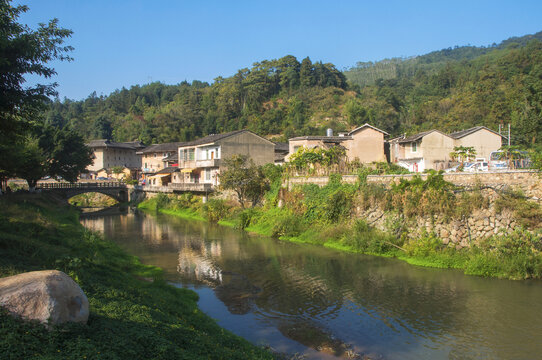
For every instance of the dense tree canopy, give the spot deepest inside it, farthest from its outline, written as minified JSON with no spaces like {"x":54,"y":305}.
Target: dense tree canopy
{"x":272,"y":97}
{"x":29,"y":148}
{"x":450,"y":89}
{"x":23,"y":52}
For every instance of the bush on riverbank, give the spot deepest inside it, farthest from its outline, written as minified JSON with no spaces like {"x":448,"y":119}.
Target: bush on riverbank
{"x":326,"y":216}
{"x":134,"y":314}
{"x":92,"y":199}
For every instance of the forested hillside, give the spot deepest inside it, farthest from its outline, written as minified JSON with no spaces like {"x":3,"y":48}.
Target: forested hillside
{"x":366,"y":73}
{"x":501,"y":86}
{"x":282,"y":97}
{"x":450,"y":89}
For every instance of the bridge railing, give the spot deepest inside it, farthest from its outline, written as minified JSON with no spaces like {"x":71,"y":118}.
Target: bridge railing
{"x":85,"y":185}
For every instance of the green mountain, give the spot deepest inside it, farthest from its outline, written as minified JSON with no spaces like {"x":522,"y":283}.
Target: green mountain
{"x":450,"y":89}
{"x":281,"y":97}
{"x":453,"y":89}
{"x":366,"y":73}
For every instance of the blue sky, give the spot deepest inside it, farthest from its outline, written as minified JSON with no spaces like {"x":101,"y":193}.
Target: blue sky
{"x":120,"y":43}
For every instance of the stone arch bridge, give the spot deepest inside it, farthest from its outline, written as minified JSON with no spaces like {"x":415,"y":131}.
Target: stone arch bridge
{"x":117,"y":190}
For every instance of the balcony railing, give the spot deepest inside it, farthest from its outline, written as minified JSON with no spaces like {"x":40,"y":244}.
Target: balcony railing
{"x":199,"y":163}
{"x":81,"y":185}
{"x":208,"y":163}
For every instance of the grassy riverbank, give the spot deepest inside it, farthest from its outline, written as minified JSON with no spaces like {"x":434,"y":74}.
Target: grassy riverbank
{"x":323,"y":216}
{"x":134,"y":314}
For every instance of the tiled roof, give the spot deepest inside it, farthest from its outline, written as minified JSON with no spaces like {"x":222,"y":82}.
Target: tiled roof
{"x":168,"y":170}
{"x":173,"y":157}
{"x":162,"y":147}
{"x":216,"y":137}
{"x":282,"y":147}
{"x":323,"y":138}
{"x":369,"y":126}
{"x":418,"y":136}
{"x":135,"y":145}
{"x":459,"y":134}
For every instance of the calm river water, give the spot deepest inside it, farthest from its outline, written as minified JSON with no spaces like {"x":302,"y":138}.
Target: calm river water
{"x":325,"y":304}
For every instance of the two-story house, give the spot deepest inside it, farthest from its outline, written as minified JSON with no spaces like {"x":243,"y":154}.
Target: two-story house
{"x":431,"y":149}
{"x":200,"y":161}
{"x":426,"y":150}
{"x":315,"y":141}
{"x":109,"y":154}
{"x":364,"y":143}
{"x":157,"y":157}
{"x":482,"y":139}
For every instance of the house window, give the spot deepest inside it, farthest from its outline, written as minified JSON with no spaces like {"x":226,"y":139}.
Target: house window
{"x":190,"y":154}
{"x":208,"y":174}
{"x":414,"y":147}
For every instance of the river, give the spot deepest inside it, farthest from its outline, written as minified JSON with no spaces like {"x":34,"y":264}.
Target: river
{"x":323,"y":303}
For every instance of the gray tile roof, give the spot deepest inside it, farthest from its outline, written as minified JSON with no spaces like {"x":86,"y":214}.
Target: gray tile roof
{"x":162,"y":147}
{"x":216,"y":137}
{"x":282,"y":147}
{"x":369,"y":126}
{"x":173,"y":157}
{"x":418,"y":136}
{"x":459,"y":134}
{"x":99,"y":143}
{"x":323,"y":138}
{"x":168,"y":170}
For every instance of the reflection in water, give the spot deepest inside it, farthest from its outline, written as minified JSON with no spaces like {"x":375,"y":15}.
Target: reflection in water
{"x":300,"y":298}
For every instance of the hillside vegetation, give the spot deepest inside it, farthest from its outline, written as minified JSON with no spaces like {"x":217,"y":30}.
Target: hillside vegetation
{"x":457,"y":88}
{"x":280,"y":96}
{"x":450,"y":89}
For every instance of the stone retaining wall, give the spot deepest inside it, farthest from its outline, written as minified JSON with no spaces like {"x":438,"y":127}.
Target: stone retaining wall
{"x":482,"y":223}
{"x":528,"y":181}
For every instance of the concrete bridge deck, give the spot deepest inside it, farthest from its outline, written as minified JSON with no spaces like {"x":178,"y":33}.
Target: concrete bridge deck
{"x":117,"y":190}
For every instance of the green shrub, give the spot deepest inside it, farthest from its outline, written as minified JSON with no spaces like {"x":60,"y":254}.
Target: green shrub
{"x":367,"y":239}
{"x":214,"y":210}
{"x":161,"y":201}
{"x":288,"y":225}
{"x":527,"y":213}
{"x":426,"y":246}
{"x":338,"y":206}
{"x":245,"y":218}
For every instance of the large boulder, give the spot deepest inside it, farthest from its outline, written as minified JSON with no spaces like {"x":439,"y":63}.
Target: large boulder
{"x":50,"y":297}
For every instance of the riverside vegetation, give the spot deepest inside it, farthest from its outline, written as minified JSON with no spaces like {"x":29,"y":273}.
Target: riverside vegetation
{"x":327,"y":216}
{"x":134,"y":313}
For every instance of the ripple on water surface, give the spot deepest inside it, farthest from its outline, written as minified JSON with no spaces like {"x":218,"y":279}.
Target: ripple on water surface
{"x":323,"y":303}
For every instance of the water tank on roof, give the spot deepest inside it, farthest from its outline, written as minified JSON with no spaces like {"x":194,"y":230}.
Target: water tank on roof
{"x":329,"y":132}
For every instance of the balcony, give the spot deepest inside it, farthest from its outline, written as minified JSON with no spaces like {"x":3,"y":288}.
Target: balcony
{"x":207,"y":163}
{"x":193,"y":164}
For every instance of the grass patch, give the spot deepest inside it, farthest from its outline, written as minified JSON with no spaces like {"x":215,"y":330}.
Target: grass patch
{"x":183,"y":213}
{"x":129,"y":318}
